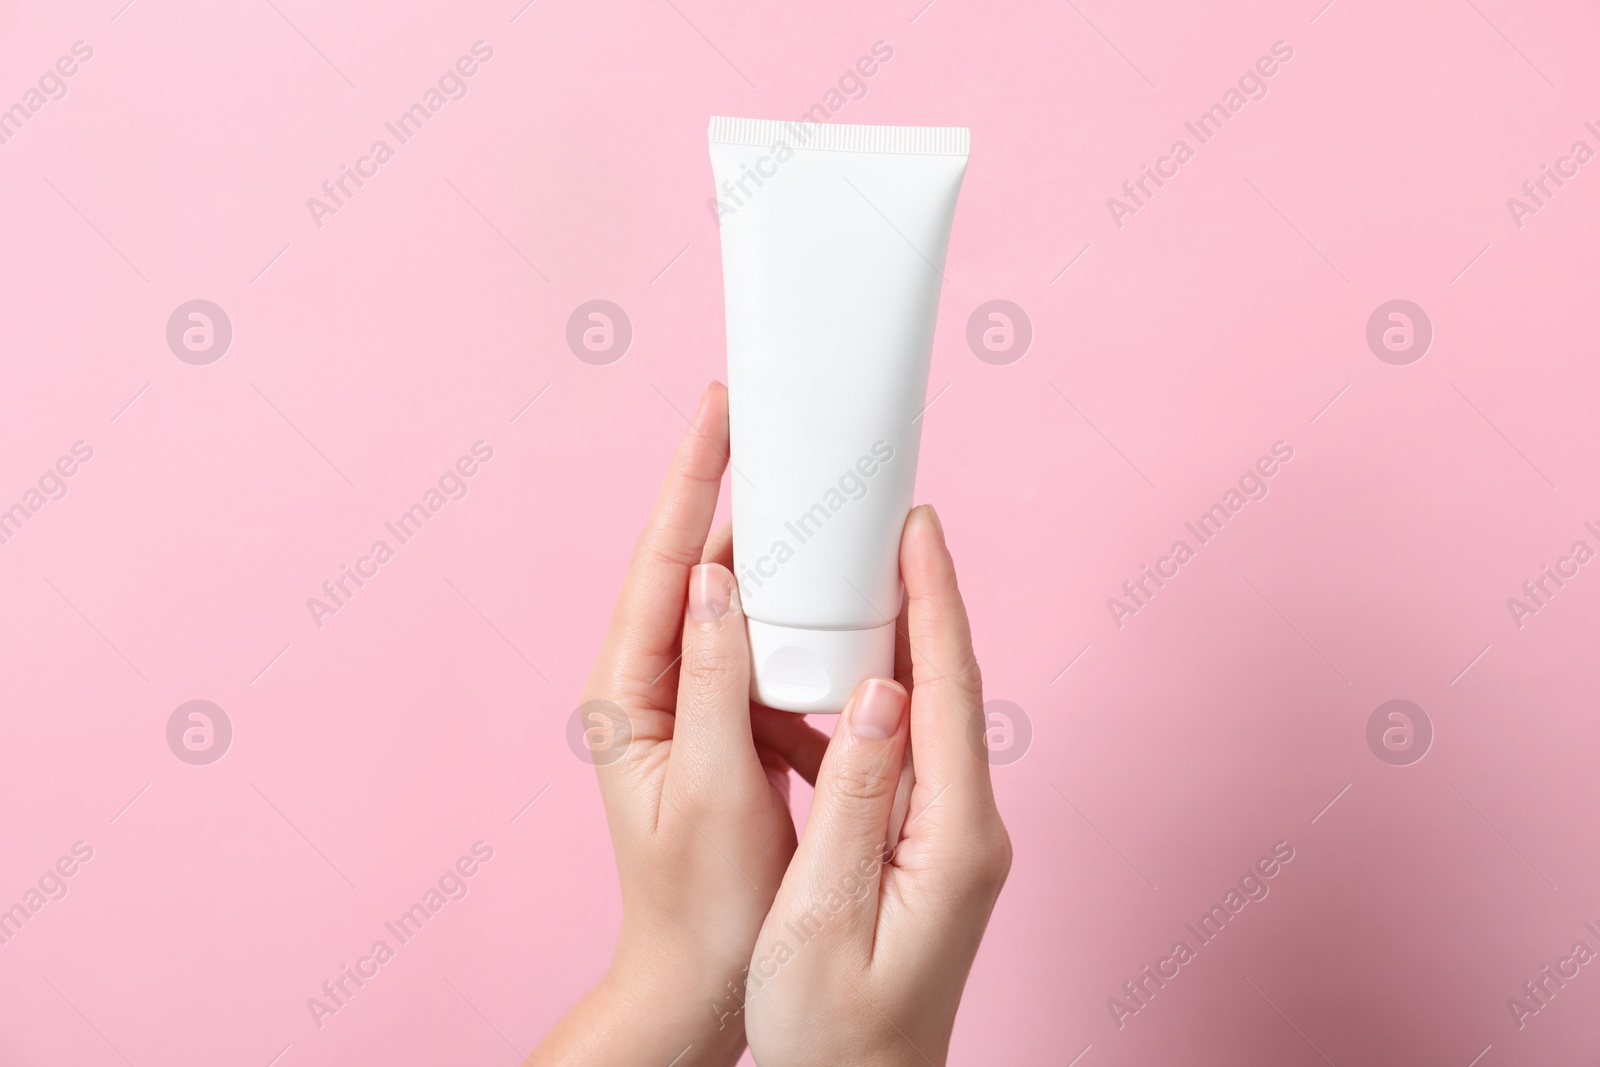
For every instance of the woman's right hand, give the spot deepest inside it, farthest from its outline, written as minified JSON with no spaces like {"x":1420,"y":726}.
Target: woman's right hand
{"x":867,"y":947}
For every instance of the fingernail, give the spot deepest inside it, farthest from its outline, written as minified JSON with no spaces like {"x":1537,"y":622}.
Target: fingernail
{"x":877,"y":713}
{"x":710,"y":593}
{"x":937,"y":525}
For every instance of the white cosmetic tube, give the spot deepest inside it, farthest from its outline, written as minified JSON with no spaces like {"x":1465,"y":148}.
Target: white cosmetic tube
{"x":833,"y":251}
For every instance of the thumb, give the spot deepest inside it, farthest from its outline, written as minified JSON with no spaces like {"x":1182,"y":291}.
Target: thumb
{"x":842,"y":853}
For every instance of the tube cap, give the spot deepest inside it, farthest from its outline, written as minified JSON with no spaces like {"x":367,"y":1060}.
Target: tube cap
{"x":796,"y":669}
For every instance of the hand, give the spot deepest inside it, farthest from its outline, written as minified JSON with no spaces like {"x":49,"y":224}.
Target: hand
{"x":864,"y":955}
{"x":695,"y":781}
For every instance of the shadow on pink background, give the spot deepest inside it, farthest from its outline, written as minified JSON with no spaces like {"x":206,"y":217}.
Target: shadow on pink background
{"x":1172,"y":346}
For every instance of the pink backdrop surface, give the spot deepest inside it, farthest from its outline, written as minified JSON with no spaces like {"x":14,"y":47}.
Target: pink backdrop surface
{"x":1174,"y":342}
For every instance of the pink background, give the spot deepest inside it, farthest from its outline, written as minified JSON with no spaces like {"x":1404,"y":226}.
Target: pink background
{"x":369,"y":353}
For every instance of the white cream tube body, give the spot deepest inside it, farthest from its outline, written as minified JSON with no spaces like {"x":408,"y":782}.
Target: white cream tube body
{"x":833,"y":250}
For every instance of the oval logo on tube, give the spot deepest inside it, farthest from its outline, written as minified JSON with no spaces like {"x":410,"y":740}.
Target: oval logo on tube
{"x":999,"y":332}
{"x":599,"y":332}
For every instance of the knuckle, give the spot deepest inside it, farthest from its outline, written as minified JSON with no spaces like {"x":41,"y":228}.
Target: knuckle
{"x":963,"y":678}
{"x":864,"y":779}
{"x":668,"y":544}
{"x":998,"y":863}
{"x":968,"y":675}
{"x":626,"y":679}
{"x":708,"y":670}
{"x":987,"y":856}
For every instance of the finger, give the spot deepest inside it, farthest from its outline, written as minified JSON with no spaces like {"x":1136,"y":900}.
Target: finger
{"x":777,"y":771}
{"x":643,"y":640}
{"x":711,"y":740}
{"x":902,"y":643}
{"x":789,"y":735}
{"x":902,"y":800}
{"x":799,"y":745}
{"x":947,"y":690}
{"x":719,"y":546}
{"x":847,"y":835}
